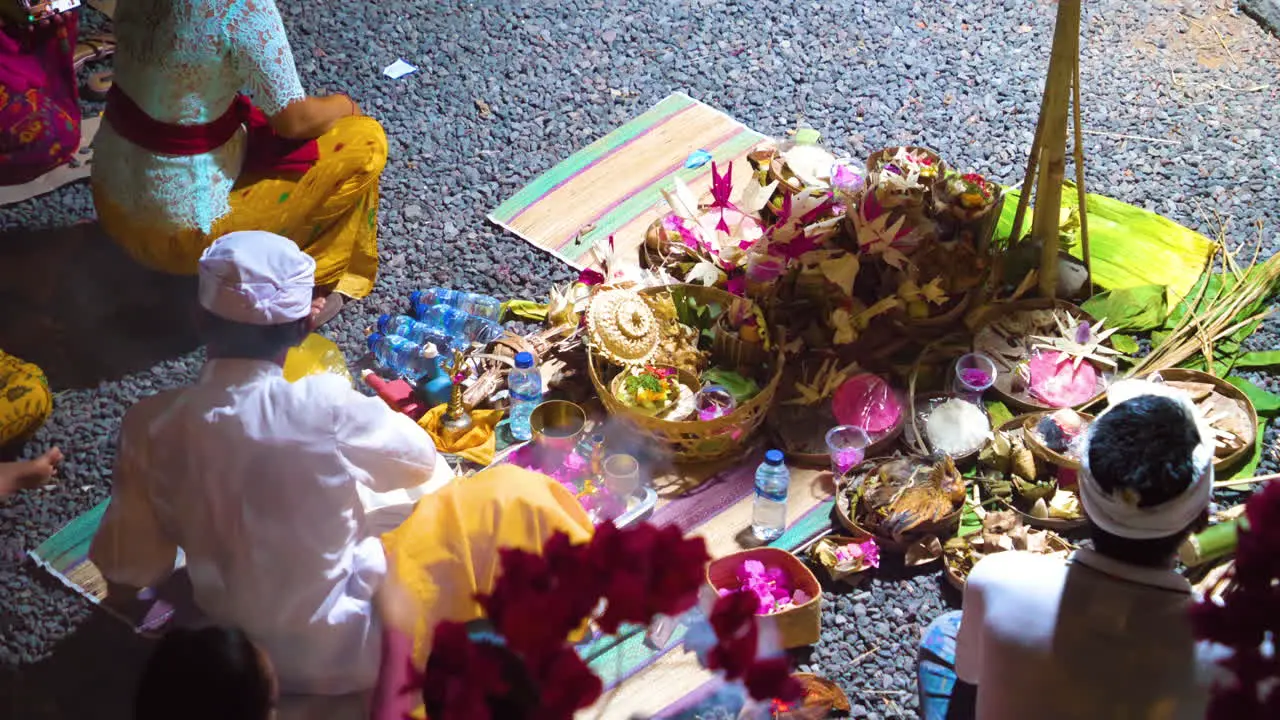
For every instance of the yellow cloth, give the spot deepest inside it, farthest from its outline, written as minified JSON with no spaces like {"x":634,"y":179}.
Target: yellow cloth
{"x":315,"y":356}
{"x":447,"y":551}
{"x":478,"y":444}
{"x":331,"y":212}
{"x":25,"y":400}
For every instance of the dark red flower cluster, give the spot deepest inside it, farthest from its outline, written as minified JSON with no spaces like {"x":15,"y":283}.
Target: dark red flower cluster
{"x":1250,"y":610}
{"x":737,"y":643}
{"x":539,"y":601}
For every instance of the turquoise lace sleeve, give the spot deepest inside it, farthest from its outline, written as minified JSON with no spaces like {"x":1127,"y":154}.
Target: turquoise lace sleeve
{"x":261,"y":55}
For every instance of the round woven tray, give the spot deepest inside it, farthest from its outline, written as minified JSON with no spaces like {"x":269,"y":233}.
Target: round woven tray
{"x":1221,"y":387}
{"x":1050,"y":523}
{"x":1002,"y":388}
{"x":693,"y":441}
{"x":943,"y":528}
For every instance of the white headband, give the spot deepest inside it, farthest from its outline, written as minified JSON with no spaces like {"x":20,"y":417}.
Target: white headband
{"x":257,"y":278}
{"x":1120,"y":515}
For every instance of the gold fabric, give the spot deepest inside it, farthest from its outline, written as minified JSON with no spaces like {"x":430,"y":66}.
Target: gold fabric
{"x":25,"y":400}
{"x":331,"y":212}
{"x":447,"y":551}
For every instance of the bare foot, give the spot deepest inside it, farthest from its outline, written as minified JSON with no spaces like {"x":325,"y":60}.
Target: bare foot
{"x":28,"y":474}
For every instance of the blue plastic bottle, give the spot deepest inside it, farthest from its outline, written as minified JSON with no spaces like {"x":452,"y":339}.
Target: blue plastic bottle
{"x":414,"y":331}
{"x":525,"y":385}
{"x":403,"y":357}
{"x":484,"y":306}
{"x":435,"y":386}
{"x":769,"y":514}
{"x":462,"y":328}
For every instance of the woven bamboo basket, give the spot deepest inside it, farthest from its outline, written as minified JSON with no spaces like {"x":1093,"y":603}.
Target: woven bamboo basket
{"x":797,"y":626}
{"x":1040,"y":449}
{"x":1221,"y":387}
{"x":1050,"y":523}
{"x":694,"y":441}
{"x":846,"y":507}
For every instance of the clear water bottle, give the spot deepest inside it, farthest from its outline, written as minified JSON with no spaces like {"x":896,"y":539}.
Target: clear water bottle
{"x":484,"y":306}
{"x":413,"y":331}
{"x":769,"y":514}
{"x":525,"y":385}
{"x":403,"y":357}
{"x":462,"y":328}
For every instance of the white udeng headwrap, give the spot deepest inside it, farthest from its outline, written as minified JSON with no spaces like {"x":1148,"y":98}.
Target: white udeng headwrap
{"x":1120,"y":516}
{"x":257,"y":278}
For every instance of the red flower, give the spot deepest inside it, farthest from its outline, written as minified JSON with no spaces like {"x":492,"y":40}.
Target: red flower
{"x":771,"y":679}
{"x":567,"y":685}
{"x":734,"y":619}
{"x":647,"y":571}
{"x":737,"y":284}
{"x":539,"y":600}
{"x":590,"y":277}
{"x":461,"y":676}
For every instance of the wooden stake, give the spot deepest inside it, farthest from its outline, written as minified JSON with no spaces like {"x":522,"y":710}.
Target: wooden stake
{"x":1046,"y":220}
{"x":1082,"y":202}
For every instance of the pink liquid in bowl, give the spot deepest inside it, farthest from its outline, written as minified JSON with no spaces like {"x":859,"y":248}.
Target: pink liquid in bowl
{"x":975,"y":378}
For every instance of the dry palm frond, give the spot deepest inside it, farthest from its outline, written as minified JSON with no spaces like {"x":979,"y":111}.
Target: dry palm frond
{"x":1209,"y":320}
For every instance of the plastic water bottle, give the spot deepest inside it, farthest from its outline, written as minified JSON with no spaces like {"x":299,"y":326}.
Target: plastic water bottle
{"x":484,"y":306}
{"x":769,"y":514}
{"x":413,"y":331}
{"x":525,"y":385}
{"x":403,"y":357}
{"x":462,"y":328}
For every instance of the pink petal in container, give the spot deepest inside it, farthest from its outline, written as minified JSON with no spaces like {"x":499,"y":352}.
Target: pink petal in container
{"x":1052,"y":380}
{"x":868,"y":402}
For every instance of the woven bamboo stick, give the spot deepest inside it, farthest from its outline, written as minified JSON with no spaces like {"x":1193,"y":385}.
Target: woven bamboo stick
{"x":1046,"y":220}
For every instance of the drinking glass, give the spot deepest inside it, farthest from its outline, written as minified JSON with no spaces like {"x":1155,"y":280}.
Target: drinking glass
{"x":974,"y":373}
{"x":848,"y":448}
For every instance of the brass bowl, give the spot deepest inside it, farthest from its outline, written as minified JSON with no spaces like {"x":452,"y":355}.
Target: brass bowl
{"x":557,"y":425}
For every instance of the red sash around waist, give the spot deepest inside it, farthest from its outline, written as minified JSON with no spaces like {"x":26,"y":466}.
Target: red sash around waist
{"x":266,"y":153}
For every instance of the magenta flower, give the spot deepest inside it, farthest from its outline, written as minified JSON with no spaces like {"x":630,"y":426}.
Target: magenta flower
{"x":721,"y":189}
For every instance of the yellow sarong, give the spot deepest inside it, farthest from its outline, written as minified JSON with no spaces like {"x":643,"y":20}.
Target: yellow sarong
{"x":331,"y":212}
{"x":25,"y":400}
{"x":447,"y":551}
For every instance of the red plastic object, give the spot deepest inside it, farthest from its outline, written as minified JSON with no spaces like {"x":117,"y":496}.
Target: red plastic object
{"x":866,"y":401}
{"x":397,"y":393}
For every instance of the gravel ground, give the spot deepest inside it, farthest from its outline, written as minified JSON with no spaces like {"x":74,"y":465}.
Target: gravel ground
{"x":1180,"y":102}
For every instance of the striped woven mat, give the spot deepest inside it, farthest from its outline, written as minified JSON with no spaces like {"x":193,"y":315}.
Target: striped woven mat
{"x":614,"y":185}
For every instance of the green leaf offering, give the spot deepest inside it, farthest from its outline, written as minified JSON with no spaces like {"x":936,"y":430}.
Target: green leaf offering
{"x":1136,"y":308}
{"x":741,"y":388}
{"x":1125,"y":344}
{"x":998,"y":412}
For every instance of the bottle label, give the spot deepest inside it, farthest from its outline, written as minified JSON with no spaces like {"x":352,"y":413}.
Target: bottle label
{"x":779,"y":496}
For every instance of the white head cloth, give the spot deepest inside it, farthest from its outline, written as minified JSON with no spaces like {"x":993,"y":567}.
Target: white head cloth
{"x":1120,"y":515}
{"x":256,"y":278}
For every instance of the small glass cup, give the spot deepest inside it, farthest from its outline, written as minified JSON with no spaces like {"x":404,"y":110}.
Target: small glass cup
{"x":621,"y":475}
{"x":848,"y":448}
{"x":713,"y":401}
{"x":974,"y":374}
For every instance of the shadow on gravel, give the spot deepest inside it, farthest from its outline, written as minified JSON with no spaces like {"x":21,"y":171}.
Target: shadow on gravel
{"x":91,"y":674}
{"x":77,"y":306}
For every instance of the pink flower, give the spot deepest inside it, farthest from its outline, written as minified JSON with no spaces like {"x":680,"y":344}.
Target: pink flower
{"x":590,"y":277}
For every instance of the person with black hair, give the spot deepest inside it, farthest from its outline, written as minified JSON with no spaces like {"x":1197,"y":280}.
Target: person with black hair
{"x":1105,"y":633}
{"x":263,"y":482}
{"x":214,"y":673}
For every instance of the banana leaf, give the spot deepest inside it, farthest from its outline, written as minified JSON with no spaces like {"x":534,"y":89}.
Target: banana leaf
{"x":1259,"y":359}
{"x":1133,"y":308}
{"x":1266,"y":403}
{"x":1131,"y":247}
{"x":998,"y":412}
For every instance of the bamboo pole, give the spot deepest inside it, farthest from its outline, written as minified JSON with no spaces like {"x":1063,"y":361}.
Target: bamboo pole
{"x":1046,"y":220}
{"x":1083,"y":197}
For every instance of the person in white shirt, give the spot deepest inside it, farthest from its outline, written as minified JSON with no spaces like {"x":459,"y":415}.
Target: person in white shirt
{"x":260,"y":481}
{"x":1106,"y":633}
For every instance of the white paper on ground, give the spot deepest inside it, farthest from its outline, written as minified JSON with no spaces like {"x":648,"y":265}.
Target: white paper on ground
{"x":398,"y":69}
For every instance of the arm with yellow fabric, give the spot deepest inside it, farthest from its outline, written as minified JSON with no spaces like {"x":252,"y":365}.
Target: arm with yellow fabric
{"x":130,"y":547}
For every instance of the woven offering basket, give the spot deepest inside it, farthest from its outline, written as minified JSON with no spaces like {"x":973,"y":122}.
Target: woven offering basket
{"x":695,"y":441}
{"x":1226,"y":389}
{"x":1050,"y":523}
{"x":957,"y":581}
{"x":1044,"y":453}
{"x":943,"y":528}
{"x":883,"y":157}
{"x":797,"y":626}
{"x":1002,"y":388}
